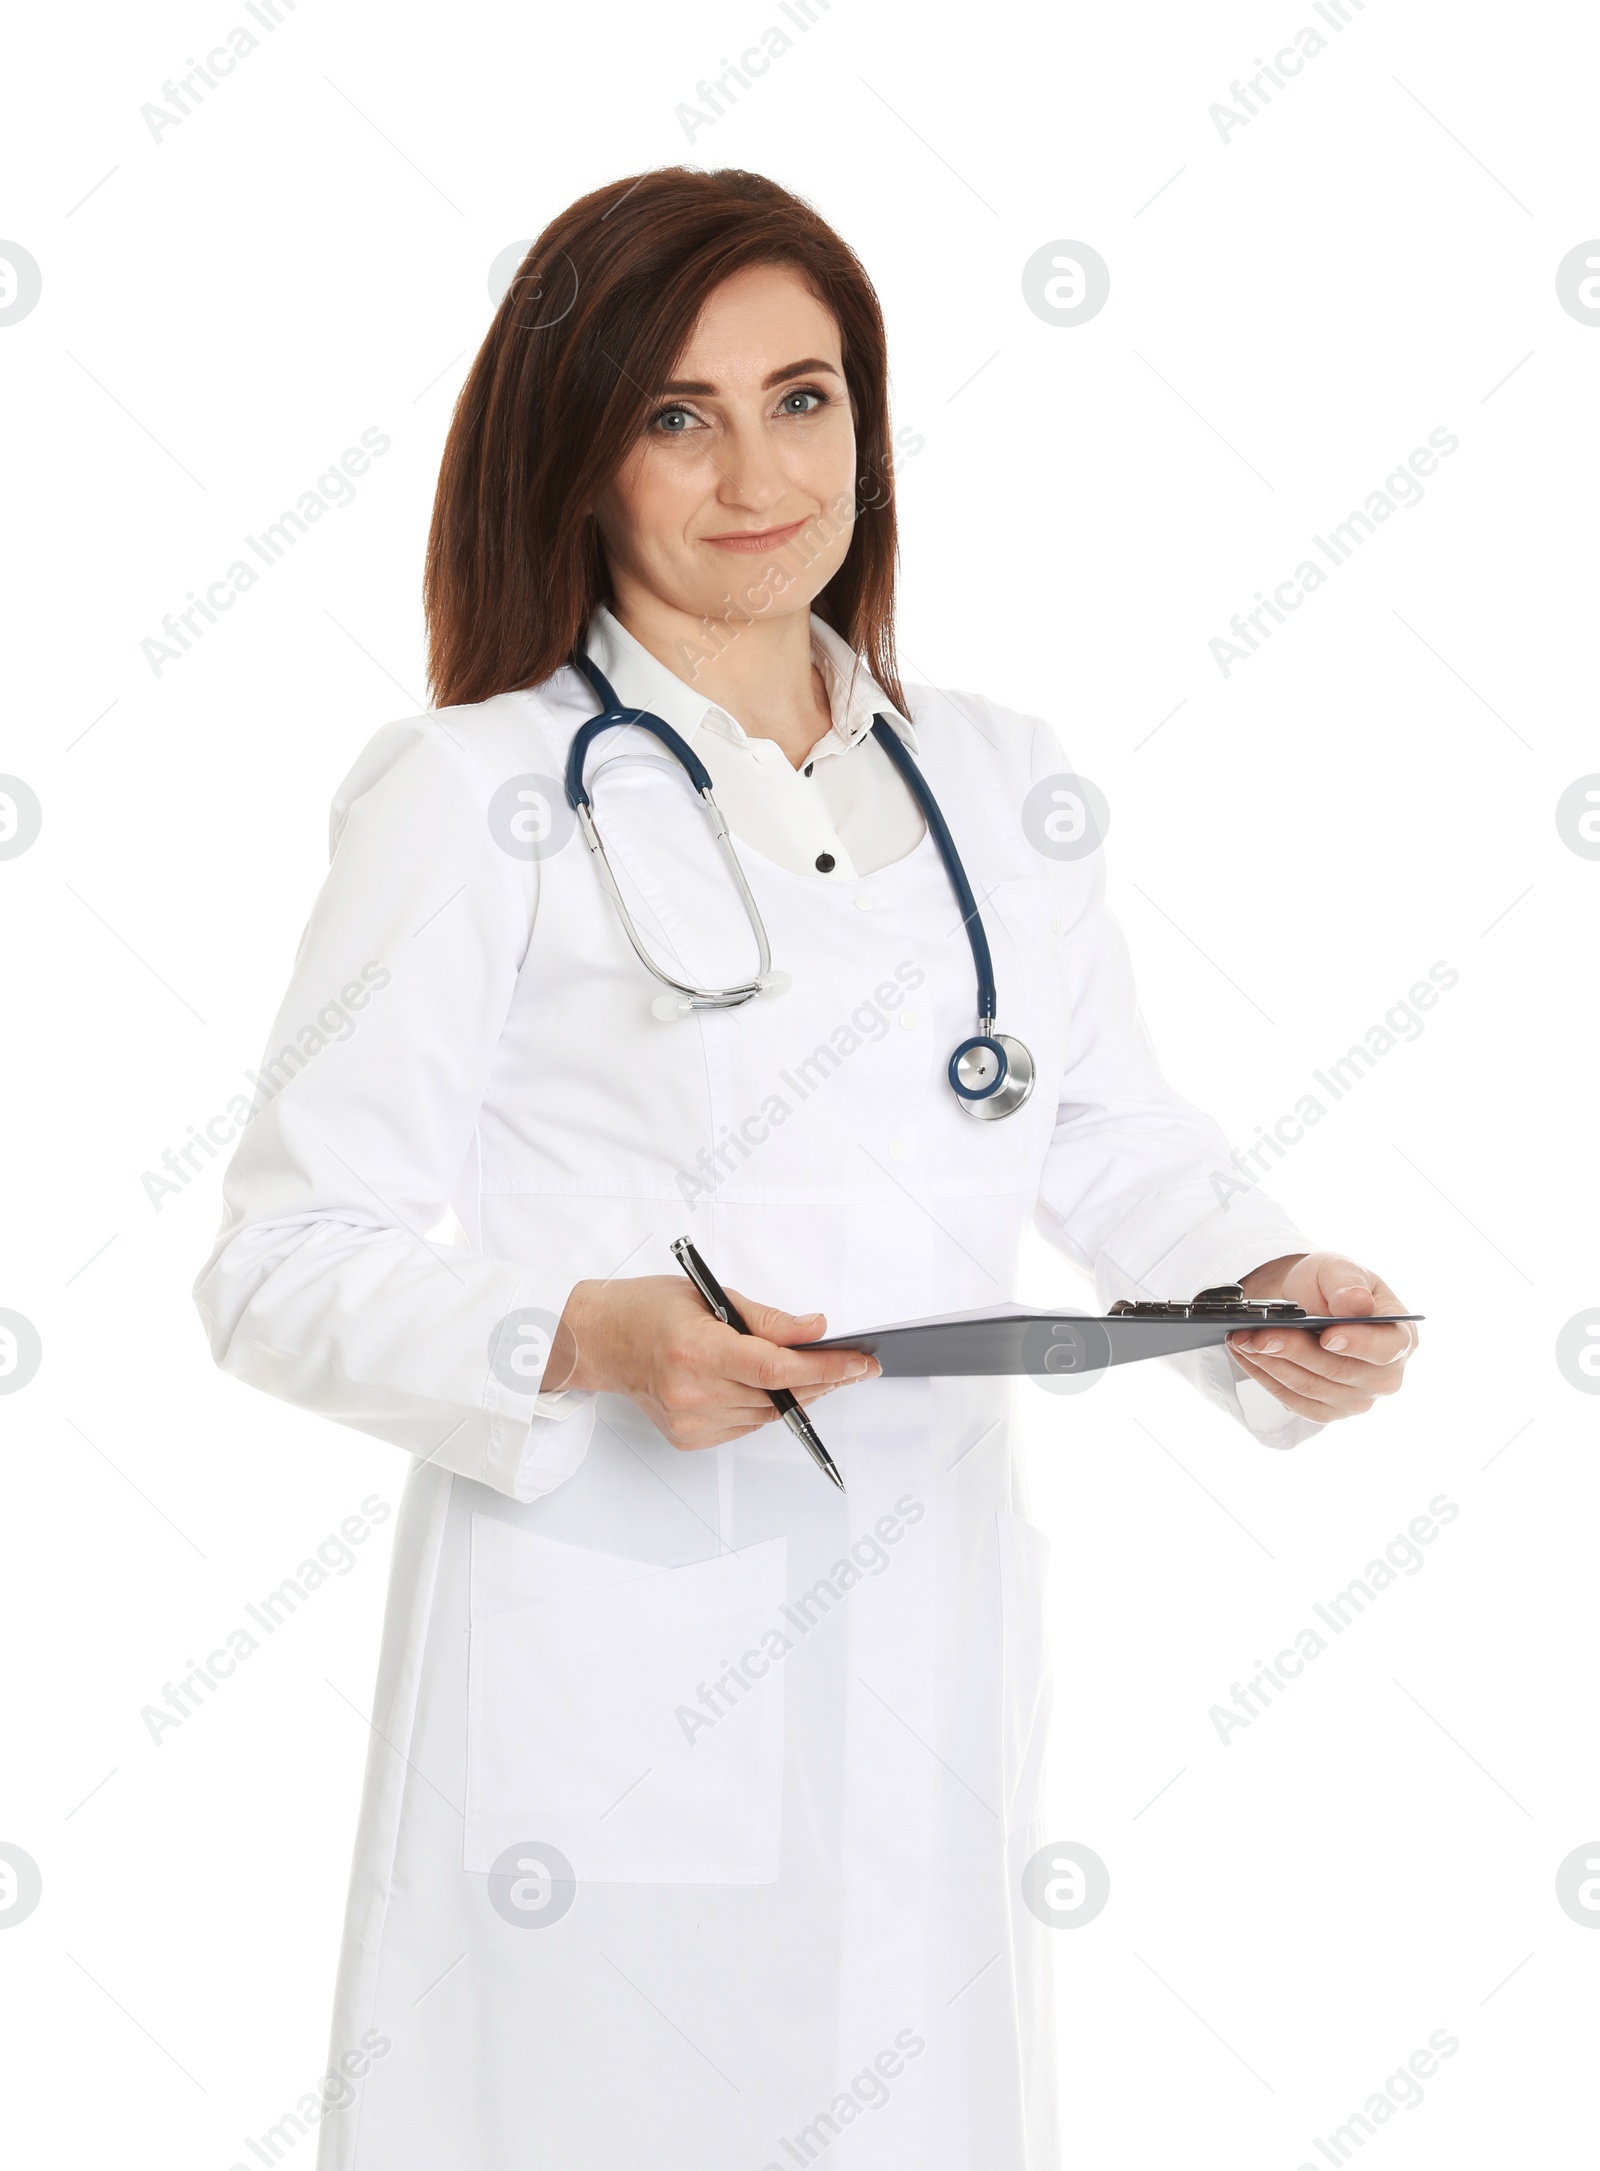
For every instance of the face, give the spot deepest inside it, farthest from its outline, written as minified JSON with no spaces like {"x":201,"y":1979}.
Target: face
{"x":740,"y":495}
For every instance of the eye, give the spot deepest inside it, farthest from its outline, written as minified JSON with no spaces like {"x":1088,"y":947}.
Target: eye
{"x":813,"y":393}
{"x":672,"y":421}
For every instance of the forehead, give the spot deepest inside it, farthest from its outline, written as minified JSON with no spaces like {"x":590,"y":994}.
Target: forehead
{"x":756,"y":321}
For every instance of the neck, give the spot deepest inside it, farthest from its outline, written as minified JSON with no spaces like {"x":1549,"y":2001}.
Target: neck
{"x":761,"y":672}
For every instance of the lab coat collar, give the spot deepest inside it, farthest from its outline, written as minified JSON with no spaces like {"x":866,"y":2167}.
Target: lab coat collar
{"x":643,"y":682}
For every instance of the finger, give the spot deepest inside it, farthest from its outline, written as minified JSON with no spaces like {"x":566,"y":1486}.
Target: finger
{"x":815,"y":1394}
{"x":732,"y":1395}
{"x":1348,"y":1373}
{"x":717,"y":1436}
{"x":759,"y":1363}
{"x":1320,"y":1412}
{"x":729,"y":1401}
{"x":773,"y":1325}
{"x":1281,"y":1355}
{"x":1360,"y":1298}
{"x":1371,"y":1345}
{"x":1349,"y":1345}
{"x":1338,"y":1276}
{"x":1313,"y":1387}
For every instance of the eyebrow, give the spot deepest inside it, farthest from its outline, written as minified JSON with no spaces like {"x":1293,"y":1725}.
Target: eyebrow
{"x":811,"y":364}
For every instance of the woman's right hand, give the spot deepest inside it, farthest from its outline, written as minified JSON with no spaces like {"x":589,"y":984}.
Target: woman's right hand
{"x":699,"y":1382}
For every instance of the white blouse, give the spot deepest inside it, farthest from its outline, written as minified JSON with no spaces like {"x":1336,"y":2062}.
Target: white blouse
{"x":847,"y":804}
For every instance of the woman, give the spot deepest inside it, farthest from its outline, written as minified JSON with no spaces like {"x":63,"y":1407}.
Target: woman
{"x":700,"y":1791}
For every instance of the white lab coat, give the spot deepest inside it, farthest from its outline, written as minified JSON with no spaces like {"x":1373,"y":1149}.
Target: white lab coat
{"x":789,"y":1740}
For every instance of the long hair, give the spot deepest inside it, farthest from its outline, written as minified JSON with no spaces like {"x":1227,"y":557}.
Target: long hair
{"x":588,"y":331}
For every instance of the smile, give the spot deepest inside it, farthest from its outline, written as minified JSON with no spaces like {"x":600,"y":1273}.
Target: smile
{"x":756,"y":538}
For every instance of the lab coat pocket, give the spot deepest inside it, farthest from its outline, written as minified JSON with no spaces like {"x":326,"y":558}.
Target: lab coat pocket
{"x":625,"y":1713}
{"x":1025,"y":1705}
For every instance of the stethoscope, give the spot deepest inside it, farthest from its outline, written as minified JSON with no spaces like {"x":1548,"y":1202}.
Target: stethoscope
{"x":991,"y":1074}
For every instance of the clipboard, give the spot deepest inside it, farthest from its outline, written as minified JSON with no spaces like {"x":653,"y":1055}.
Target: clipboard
{"x":1012,"y":1339}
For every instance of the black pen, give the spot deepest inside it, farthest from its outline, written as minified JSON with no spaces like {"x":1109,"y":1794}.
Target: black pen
{"x":717,"y":1301}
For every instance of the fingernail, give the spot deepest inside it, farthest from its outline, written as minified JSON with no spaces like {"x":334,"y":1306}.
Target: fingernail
{"x":1270,"y":1347}
{"x":1337,"y":1341}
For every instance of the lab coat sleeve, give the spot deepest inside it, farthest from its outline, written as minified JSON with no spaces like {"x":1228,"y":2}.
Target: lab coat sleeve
{"x":325,"y":1286}
{"x":1139,"y":1187}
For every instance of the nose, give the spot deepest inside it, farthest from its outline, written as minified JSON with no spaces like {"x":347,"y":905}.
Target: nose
{"x":752,"y":473}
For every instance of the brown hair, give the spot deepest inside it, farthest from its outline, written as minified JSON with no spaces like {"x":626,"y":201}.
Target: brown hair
{"x":588,"y":330}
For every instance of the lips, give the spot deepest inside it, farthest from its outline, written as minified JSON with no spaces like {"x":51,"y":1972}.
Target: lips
{"x":756,"y":538}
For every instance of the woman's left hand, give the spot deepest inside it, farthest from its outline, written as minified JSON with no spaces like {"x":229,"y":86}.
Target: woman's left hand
{"x":1342,"y":1371}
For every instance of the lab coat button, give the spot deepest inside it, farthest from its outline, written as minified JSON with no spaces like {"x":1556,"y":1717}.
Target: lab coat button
{"x":908,"y":1018}
{"x":864,"y":904}
{"x":825,"y":863}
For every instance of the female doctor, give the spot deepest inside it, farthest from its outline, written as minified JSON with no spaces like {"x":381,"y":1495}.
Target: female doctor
{"x":699,"y":1790}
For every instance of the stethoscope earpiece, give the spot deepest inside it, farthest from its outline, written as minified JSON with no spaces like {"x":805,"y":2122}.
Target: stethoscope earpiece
{"x":669,"y":1007}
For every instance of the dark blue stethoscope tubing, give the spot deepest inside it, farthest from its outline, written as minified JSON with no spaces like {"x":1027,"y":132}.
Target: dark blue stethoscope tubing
{"x":900,"y":755}
{"x":615,"y":714}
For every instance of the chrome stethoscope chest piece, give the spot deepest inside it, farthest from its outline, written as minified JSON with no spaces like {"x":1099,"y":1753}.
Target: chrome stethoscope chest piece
{"x":991,"y":1074}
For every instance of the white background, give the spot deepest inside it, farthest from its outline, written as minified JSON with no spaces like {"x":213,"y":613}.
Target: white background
{"x":1292,"y":846}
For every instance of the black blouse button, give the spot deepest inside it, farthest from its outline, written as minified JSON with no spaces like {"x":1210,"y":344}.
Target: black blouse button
{"x":825,"y":863}
{"x":810,"y":765}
